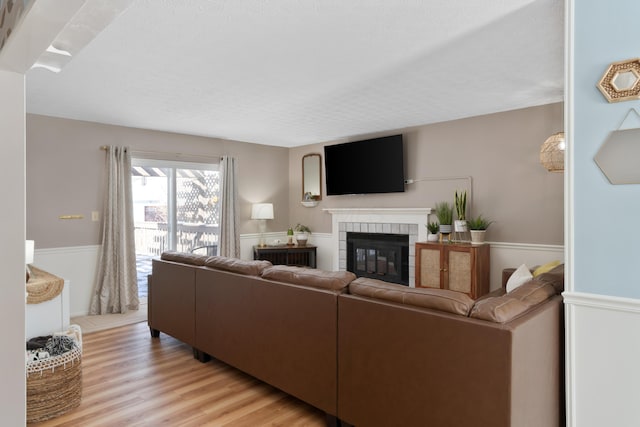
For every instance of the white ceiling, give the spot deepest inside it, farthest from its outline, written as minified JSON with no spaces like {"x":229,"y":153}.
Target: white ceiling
{"x":292,"y":72}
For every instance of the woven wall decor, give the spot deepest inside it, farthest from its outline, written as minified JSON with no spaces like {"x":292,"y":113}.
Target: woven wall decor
{"x":621,"y":81}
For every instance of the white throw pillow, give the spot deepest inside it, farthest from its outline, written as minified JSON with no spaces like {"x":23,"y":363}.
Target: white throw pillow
{"x":520,"y":276}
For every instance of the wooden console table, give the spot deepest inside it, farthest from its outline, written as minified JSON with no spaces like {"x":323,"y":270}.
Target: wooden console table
{"x":287,"y":255}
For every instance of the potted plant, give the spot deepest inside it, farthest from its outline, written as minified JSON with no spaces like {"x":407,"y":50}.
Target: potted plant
{"x":460,"y":224}
{"x":433,"y":228}
{"x":302,"y":234}
{"x":444,"y":212}
{"x":478,"y":227}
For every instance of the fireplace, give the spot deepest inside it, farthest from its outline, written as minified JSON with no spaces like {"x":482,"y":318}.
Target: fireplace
{"x":379,"y":256}
{"x":408,"y":221}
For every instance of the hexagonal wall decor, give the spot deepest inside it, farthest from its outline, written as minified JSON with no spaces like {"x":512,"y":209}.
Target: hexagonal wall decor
{"x":619,"y":157}
{"x":621,"y":81}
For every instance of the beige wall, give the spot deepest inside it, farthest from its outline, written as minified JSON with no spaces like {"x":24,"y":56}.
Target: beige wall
{"x":65,"y":175}
{"x":498,"y":151}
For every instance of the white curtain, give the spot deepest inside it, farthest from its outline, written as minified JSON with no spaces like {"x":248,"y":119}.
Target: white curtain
{"x":116,"y":289}
{"x":229,"y":233}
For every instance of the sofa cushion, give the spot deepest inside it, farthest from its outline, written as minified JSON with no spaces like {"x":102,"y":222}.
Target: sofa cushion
{"x":545,"y":268}
{"x":520,"y":276}
{"x":184,"y":258}
{"x":436,"y":299}
{"x":235,"y":265}
{"x":554,"y":277}
{"x":498,"y":309}
{"x":533,"y":292}
{"x":505,"y":307}
{"x":333,"y":280}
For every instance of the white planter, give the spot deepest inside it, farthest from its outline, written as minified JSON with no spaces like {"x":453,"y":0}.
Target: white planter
{"x":477,"y":236}
{"x":301,"y":239}
{"x":432,"y":237}
{"x":460,"y":226}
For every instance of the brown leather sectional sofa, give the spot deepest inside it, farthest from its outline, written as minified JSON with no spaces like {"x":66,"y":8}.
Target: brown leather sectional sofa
{"x":371,"y":353}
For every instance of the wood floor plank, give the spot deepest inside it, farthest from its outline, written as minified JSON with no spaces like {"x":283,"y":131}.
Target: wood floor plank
{"x":131,"y":379}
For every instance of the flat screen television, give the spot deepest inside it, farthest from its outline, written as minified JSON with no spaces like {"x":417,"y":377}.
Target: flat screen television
{"x":365,"y":167}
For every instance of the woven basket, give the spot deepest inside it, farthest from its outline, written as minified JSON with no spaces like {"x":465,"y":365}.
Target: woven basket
{"x":54,"y":385}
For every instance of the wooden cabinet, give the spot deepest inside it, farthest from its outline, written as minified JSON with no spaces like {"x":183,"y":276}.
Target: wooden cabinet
{"x":459,"y":267}
{"x":288,"y":255}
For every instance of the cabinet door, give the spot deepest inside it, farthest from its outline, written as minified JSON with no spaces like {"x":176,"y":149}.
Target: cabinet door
{"x":430,"y":264}
{"x":459,"y":270}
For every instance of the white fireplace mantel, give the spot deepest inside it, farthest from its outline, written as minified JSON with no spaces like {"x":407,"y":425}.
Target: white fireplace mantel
{"x":418,"y":216}
{"x":411,"y":221}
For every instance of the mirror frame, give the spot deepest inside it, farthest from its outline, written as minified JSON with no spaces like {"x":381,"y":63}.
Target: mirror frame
{"x":319,"y":157}
{"x":607,"y":82}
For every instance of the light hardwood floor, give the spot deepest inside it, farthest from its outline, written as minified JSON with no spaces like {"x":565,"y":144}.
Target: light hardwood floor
{"x":131,"y":379}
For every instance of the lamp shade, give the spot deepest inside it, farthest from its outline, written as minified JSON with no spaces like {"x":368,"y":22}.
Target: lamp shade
{"x":28,"y":251}
{"x":262,"y":211}
{"x":552,"y":153}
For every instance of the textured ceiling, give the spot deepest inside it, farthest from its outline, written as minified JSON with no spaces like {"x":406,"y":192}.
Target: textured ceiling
{"x":292,"y":72}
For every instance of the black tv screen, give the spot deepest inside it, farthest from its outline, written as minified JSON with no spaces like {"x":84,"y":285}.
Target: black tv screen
{"x":364,"y":167}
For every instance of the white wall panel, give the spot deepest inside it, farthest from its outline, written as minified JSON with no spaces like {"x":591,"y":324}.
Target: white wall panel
{"x":78,"y":265}
{"x":603,"y":350}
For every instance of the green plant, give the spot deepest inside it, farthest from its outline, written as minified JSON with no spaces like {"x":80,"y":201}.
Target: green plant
{"x":433,"y":227}
{"x":444,"y":212}
{"x":479,"y":223}
{"x":299,"y":228}
{"x":461,"y":204}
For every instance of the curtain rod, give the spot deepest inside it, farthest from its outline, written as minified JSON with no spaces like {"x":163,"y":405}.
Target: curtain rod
{"x":166,"y":153}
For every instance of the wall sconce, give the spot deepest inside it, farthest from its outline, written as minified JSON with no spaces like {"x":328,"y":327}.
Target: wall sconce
{"x":262,"y":212}
{"x":552,"y":153}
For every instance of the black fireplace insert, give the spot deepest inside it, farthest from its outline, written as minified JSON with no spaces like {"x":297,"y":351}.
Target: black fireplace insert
{"x":379,"y":256}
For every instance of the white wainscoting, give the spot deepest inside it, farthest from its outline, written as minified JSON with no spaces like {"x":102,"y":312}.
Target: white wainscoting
{"x":78,"y":264}
{"x":603,"y":350}
{"x":48,"y":317}
{"x":506,"y":255}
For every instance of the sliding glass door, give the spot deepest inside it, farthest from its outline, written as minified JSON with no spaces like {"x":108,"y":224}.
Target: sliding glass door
{"x":176,"y":207}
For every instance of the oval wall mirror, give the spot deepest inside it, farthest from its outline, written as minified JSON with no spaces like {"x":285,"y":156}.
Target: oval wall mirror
{"x":311,"y":177}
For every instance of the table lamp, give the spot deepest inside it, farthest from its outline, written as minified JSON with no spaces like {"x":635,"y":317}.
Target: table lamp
{"x":262,"y":212}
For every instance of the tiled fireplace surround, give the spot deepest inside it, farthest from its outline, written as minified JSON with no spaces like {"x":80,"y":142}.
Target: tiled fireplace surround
{"x":407,"y":221}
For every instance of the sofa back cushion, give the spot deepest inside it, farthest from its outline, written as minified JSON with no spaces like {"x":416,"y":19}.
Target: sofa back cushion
{"x":334,"y":280}
{"x":503,"y":308}
{"x":532,"y":293}
{"x":498,"y":309}
{"x":184,"y":258}
{"x":235,"y":265}
{"x":436,"y":299}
